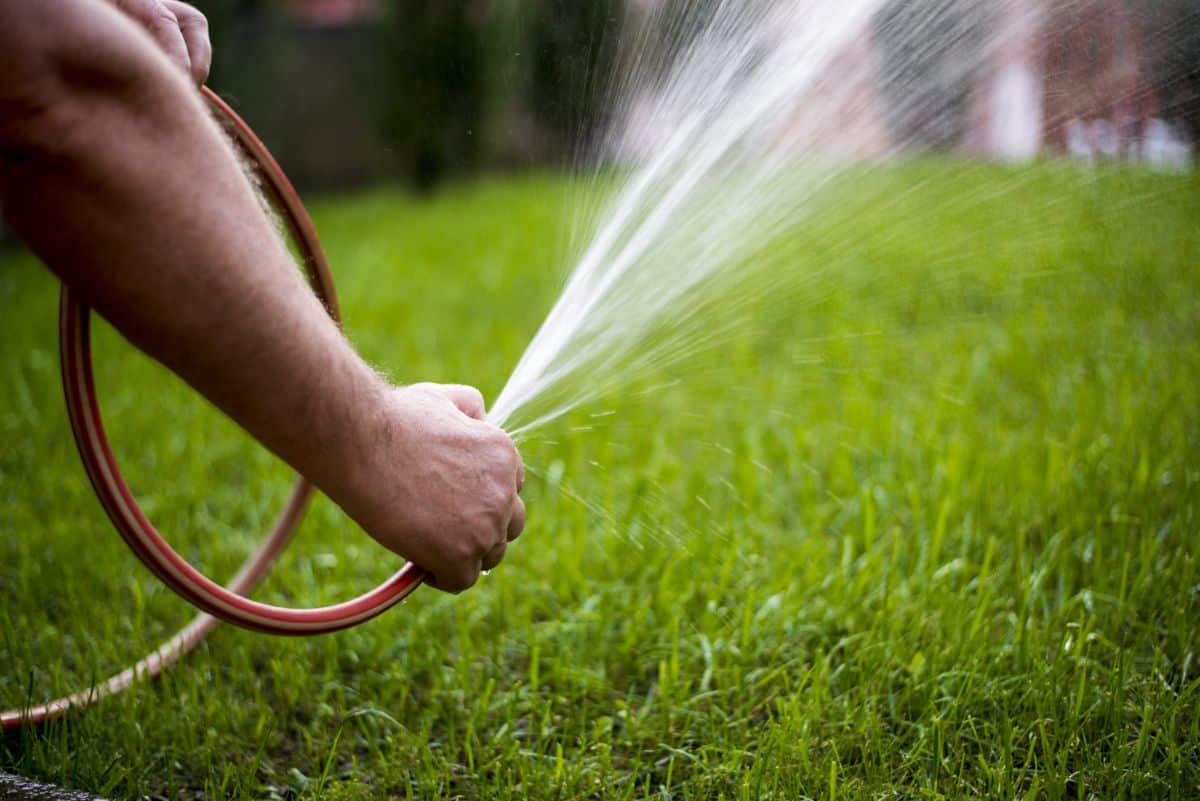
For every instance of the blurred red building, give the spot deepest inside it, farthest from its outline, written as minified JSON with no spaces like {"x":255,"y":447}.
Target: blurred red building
{"x":1087,"y":78}
{"x":1068,"y":78}
{"x":1097,"y":75}
{"x":333,"y":13}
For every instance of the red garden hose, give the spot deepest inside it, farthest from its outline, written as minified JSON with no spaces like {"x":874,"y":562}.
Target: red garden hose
{"x":226,"y":603}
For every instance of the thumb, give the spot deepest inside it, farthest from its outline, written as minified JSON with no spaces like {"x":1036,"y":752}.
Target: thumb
{"x":468,"y":400}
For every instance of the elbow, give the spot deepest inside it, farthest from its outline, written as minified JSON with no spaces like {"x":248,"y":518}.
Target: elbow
{"x":65,"y":86}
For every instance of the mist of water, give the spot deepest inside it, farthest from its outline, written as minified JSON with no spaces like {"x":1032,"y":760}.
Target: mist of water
{"x":727,"y":127}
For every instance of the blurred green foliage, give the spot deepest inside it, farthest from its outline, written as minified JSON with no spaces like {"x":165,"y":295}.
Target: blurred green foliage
{"x":436,"y":87}
{"x":422,"y":90}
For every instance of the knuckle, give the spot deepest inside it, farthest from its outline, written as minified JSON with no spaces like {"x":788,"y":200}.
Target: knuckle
{"x":482,"y":546}
{"x":163,"y":18}
{"x":512,"y":462}
{"x":468,"y":549}
{"x":505,"y":450}
{"x":193,"y":17}
{"x":464,"y":551}
{"x":499,"y":498}
{"x":495,"y":558}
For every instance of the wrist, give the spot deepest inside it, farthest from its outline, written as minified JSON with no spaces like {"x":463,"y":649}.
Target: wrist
{"x":372,"y":427}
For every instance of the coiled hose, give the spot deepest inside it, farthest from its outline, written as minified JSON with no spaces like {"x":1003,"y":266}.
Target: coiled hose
{"x":215,"y":602}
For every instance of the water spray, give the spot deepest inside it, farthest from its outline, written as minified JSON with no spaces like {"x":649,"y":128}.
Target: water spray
{"x":707,"y":193}
{"x":726,"y":145}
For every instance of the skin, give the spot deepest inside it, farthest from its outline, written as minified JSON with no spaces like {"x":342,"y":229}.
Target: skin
{"x":114,"y":174}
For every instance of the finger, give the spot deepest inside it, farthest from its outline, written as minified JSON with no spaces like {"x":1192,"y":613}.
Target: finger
{"x":468,"y":400}
{"x":520,"y":473}
{"x":495,"y":556}
{"x":457,"y":581}
{"x":161,"y":24}
{"x":194,"y":27}
{"x":516,"y":524}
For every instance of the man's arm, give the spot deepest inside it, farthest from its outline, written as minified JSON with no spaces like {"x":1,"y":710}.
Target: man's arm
{"x":113,"y":172}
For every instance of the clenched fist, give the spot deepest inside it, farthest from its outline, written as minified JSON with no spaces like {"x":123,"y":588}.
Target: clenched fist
{"x":180,"y":30}
{"x":439,"y":484}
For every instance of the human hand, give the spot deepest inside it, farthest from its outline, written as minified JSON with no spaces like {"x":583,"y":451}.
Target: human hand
{"x":438,"y":484}
{"x":178,"y":28}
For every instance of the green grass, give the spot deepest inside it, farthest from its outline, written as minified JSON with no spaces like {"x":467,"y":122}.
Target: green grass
{"x":927,"y":530}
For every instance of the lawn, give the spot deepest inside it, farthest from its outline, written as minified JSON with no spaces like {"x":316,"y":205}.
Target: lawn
{"x":927,"y":528}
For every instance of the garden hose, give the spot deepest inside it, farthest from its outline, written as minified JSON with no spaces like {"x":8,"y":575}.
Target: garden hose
{"x":216,"y":602}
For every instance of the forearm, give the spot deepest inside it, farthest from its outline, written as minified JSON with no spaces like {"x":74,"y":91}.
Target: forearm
{"x":113,"y":172}
{"x":208,"y":288}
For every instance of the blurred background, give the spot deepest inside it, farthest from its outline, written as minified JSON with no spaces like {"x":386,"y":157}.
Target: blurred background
{"x":354,"y":92}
